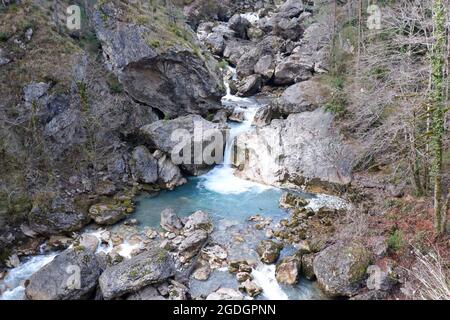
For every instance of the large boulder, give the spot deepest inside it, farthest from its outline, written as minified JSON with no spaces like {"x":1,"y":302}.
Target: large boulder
{"x":158,"y":65}
{"x":150,"y":267}
{"x":304,"y":149}
{"x":169,"y":175}
{"x":268,"y":251}
{"x":250,"y":85}
{"x":288,"y":270}
{"x":72,"y":275}
{"x":341,"y":268}
{"x":304,"y":96}
{"x":225,"y":294}
{"x":265,"y":67}
{"x":58,"y":216}
{"x":290,"y":71}
{"x":170,"y":221}
{"x":175,"y":137}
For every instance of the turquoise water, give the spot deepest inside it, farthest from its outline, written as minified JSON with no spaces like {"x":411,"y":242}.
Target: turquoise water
{"x":194,"y":196}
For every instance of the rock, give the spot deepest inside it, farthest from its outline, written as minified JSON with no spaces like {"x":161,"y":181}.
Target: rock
{"x":288,"y":270}
{"x":199,"y":220}
{"x":192,"y":244}
{"x":290,"y":71}
{"x":268,"y":251}
{"x":216,"y":43}
{"x":173,"y":136}
{"x":290,"y":200}
{"x":291,"y":8}
{"x":371,"y":295}
{"x":56,"y":242}
{"x":380,"y":279}
{"x":237,"y":116}
{"x":265,"y":115}
{"x":215,"y":255}
{"x":108,"y":213}
{"x":60,"y":215}
{"x":149,"y":68}
{"x":177,"y":291}
{"x":150,"y":267}
{"x":234,"y":50}
{"x":304,"y":96}
{"x":250,"y":86}
{"x":225,"y":294}
{"x":283,"y":152}
{"x":246,"y":64}
{"x":243,"y":276}
{"x":340,"y":268}
{"x":148,"y":293}
{"x":13,"y":261}
{"x":251,"y":288}
{"x":72,"y":275}
{"x":255,"y":33}
{"x":34,"y":91}
{"x":144,"y":166}
{"x":3,"y":58}
{"x":239,"y":24}
{"x":89,"y":242}
{"x":202,"y":273}
{"x":265,"y":67}
{"x":307,"y":266}
{"x":169,"y":175}
{"x":170,"y":221}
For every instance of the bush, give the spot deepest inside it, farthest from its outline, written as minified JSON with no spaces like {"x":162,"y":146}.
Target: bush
{"x":395,"y":240}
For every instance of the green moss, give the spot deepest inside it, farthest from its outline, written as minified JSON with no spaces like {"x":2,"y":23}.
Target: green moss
{"x":114,"y":85}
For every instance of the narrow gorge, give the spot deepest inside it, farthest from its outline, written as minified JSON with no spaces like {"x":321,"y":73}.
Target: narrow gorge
{"x":95,"y":204}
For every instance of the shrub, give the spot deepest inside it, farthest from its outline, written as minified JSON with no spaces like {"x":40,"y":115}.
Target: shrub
{"x":395,"y":240}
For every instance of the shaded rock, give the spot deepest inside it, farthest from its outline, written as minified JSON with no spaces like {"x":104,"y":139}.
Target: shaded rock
{"x":266,"y":114}
{"x":340,"y":269}
{"x":304,"y":96}
{"x":149,"y":267}
{"x":170,"y":221}
{"x":192,"y":244}
{"x":72,"y":275}
{"x":61,"y":215}
{"x":250,"y":86}
{"x":235,"y":49}
{"x":265,"y":67}
{"x":202,"y":273}
{"x":307,"y":266}
{"x":148,"y":293}
{"x":268,"y":251}
{"x":239,"y":24}
{"x":105,"y":188}
{"x":288,"y":270}
{"x":149,"y":70}
{"x":290,"y":200}
{"x":144,"y":166}
{"x":243,"y":276}
{"x":109,"y":213}
{"x":199,"y":220}
{"x":251,"y":288}
{"x":291,"y":8}
{"x":237,"y":116}
{"x":225,"y":294}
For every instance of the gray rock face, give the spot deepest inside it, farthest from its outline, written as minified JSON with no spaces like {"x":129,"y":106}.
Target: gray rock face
{"x":199,"y":220}
{"x":61,"y":216}
{"x":268,"y":251}
{"x":303,"y":149}
{"x":170,"y":221}
{"x":290,"y":71}
{"x":169,"y":175}
{"x":150,"y":267}
{"x":340,"y":269}
{"x":307,"y":266}
{"x":72,"y":275}
{"x":173,"y":79}
{"x":291,"y":8}
{"x":265,"y":67}
{"x":193,"y":243}
{"x":148,"y":293}
{"x":250,"y":86}
{"x":225,"y":294}
{"x":34,"y":91}
{"x":176,"y":136}
{"x":144,"y":166}
{"x":265,"y":115}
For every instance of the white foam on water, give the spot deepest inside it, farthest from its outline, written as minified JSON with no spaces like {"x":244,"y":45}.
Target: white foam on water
{"x":125,"y":249}
{"x":15,"y":277}
{"x":264,"y":276}
{"x":102,"y":247}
